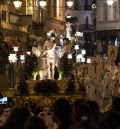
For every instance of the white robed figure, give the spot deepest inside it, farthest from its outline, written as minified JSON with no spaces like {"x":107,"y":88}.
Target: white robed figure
{"x":68,"y":30}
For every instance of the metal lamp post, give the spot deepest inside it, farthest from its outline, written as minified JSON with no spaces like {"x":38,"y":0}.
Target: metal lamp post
{"x":70,"y":3}
{"x":17,"y":3}
{"x":81,"y":59}
{"x":42,"y":3}
{"x":12,"y":59}
{"x":110,"y":2}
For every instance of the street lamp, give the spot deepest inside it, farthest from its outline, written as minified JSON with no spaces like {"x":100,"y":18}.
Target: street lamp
{"x":70,"y":3}
{"x":110,"y":2}
{"x":42,"y":3}
{"x":17,"y":3}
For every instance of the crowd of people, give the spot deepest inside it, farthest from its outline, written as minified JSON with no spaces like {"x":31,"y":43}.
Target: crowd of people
{"x":81,"y":114}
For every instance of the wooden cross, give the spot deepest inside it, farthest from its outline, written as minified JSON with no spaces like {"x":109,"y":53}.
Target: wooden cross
{"x":95,"y":66}
{"x":112,"y":53}
{"x":103,"y":63}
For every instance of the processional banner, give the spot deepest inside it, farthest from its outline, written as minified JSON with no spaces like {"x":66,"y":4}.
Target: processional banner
{"x":112,"y":52}
{"x":95,"y":68}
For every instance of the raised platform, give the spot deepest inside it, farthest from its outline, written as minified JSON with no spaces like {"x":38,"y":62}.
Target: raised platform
{"x":45,"y":100}
{"x":62,"y":84}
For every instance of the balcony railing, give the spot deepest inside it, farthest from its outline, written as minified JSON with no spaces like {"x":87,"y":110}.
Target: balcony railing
{"x":15,"y":22}
{"x":53,"y":23}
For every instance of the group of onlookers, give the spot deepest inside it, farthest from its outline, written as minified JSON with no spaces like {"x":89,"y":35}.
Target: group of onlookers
{"x":80,"y":114}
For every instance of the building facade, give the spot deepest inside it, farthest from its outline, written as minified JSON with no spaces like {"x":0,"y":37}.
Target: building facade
{"x":108,"y":21}
{"x":55,"y":15}
{"x":14,"y":24}
{"x":83,"y":18}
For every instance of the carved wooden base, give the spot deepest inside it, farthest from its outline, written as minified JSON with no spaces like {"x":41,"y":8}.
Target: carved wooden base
{"x":45,"y":101}
{"x":62,"y":84}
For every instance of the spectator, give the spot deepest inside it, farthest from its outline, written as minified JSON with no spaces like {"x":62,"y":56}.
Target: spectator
{"x":47,"y":116}
{"x":83,"y":118}
{"x":61,"y":109}
{"x":34,"y":123}
{"x":76,"y":105}
{"x":116,"y":104}
{"x":111,"y":120}
{"x":95,"y":111}
{"x":17,"y":118}
{"x":4,"y":116}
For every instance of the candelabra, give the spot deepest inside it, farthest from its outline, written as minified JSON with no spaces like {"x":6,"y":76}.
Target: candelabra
{"x":14,"y":59}
{"x":80,"y":59}
{"x":78,"y":52}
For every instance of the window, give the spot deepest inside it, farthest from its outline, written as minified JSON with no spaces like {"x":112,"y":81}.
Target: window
{"x":3,"y":17}
{"x":49,"y":8}
{"x":54,"y":8}
{"x":105,"y":12}
{"x":29,"y":9}
{"x":110,"y":12}
{"x":115,"y":11}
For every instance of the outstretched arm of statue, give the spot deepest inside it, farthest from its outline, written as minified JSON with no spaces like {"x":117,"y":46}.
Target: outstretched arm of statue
{"x":44,"y":53}
{"x":44,"y":46}
{"x":54,"y":46}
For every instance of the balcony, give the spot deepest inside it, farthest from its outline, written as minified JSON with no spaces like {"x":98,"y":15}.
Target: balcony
{"x":16,"y":22}
{"x":56,"y":24}
{"x":108,"y":25}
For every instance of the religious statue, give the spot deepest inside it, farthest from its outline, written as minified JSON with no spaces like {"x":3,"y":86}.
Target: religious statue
{"x":68,"y":30}
{"x":41,"y":62}
{"x":51,"y":57}
{"x":67,"y":47}
{"x":37,"y":50}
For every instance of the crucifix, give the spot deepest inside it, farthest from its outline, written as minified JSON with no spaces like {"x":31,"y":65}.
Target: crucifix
{"x":103,"y":63}
{"x":112,"y":53}
{"x":95,"y":66}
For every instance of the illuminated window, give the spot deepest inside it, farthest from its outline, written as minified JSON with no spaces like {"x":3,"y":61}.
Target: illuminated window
{"x":32,"y":9}
{"x":29,"y":9}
